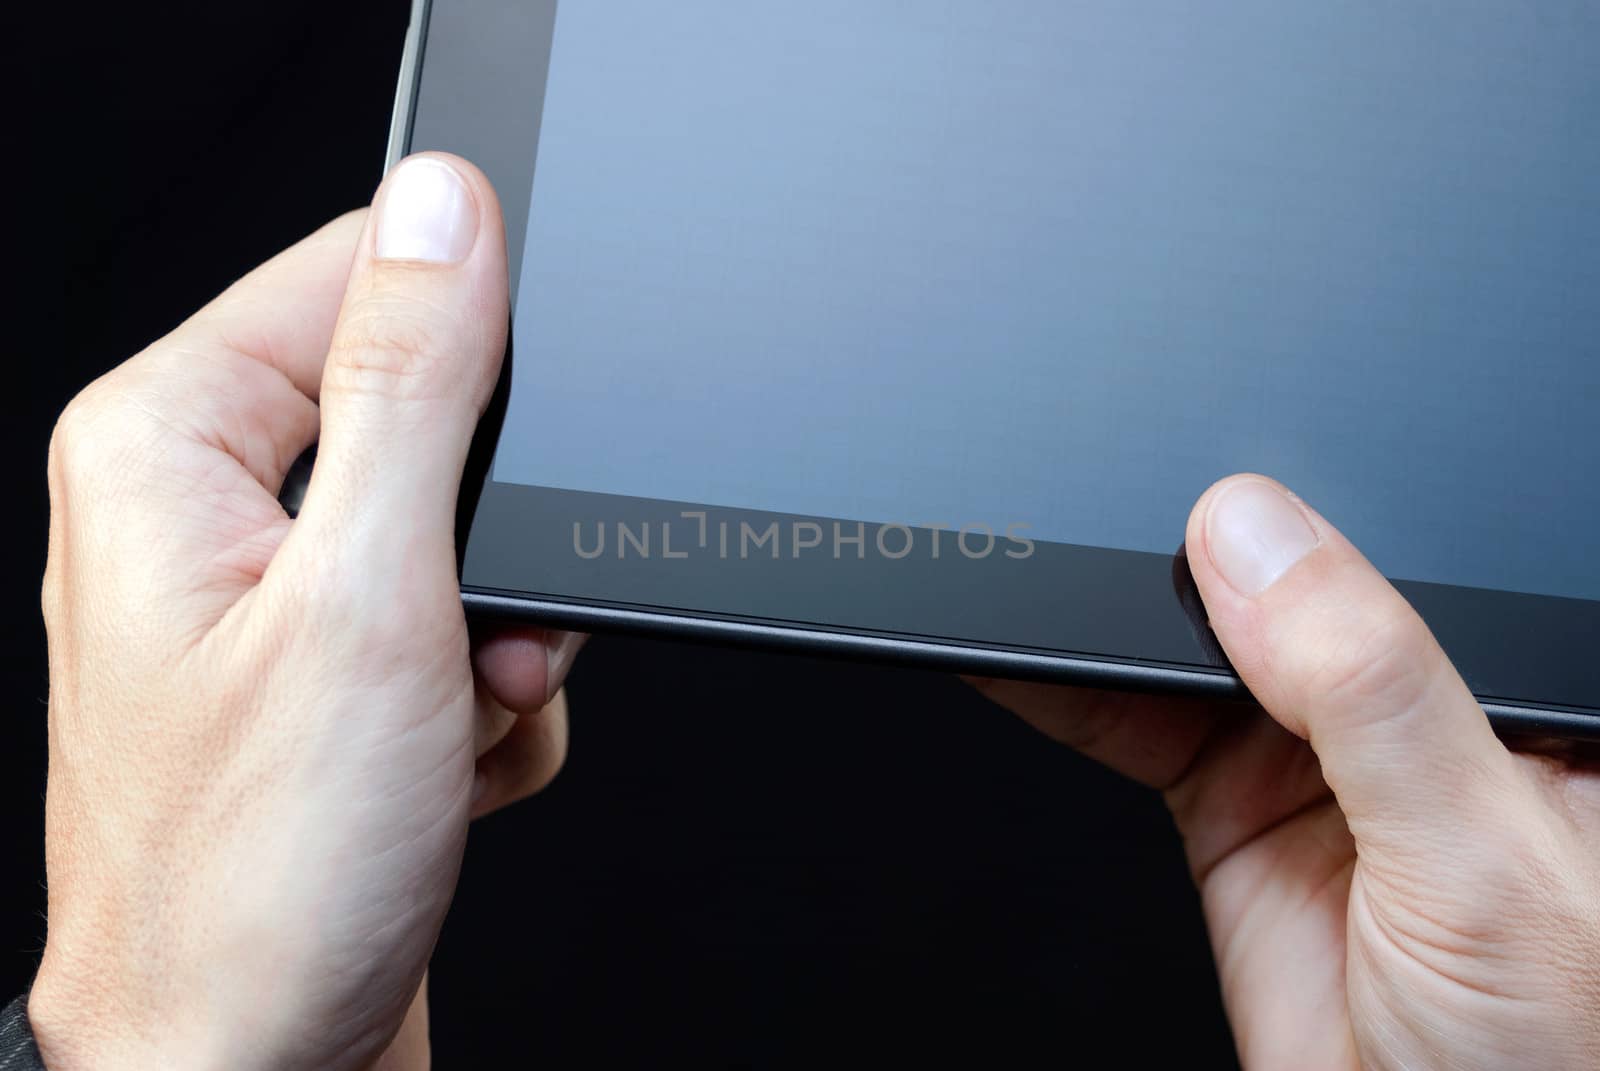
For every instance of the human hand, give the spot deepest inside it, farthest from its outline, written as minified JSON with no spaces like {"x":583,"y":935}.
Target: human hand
{"x":264,"y":734}
{"x":1385,"y":883}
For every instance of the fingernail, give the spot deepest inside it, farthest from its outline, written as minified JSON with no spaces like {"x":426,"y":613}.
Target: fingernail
{"x":426,"y":213}
{"x":559,"y":658}
{"x":480,"y":787}
{"x":1255,"y":534}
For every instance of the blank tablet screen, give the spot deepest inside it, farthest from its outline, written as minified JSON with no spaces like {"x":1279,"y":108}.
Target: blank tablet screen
{"x":1055,"y":267}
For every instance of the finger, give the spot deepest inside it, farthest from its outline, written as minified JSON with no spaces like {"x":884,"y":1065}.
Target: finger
{"x":518,"y":671}
{"x":414,"y":357}
{"x":173,"y":459}
{"x":1153,"y":739}
{"x":1227,"y":771}
{"x":240,"y":376}
{"x":1337,"y":656}
{"x":138,"y":442}
{"x":282,"y":314}
{"x":522,"y":668}
{"x":525,"y":760}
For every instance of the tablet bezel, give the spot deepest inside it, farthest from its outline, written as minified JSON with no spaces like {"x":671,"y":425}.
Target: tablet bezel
{"x":1158,"y":640}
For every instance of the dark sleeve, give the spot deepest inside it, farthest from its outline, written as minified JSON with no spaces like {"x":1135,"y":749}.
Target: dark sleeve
{"x":17,"y":1050}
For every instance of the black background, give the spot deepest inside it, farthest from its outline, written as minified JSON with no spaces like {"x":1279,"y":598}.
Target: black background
{"x":749,"y":858}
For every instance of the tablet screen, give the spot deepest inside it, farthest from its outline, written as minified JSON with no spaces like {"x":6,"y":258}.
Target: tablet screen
{"x":1034,"y":274}
{"x":1052,"y":268}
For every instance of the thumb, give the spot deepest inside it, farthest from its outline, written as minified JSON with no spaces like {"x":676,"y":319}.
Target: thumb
{"x":413,"y":361}
{"x":1335,"y":654}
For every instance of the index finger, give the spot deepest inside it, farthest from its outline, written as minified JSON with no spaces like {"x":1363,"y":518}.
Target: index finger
{"x":282,"y":313}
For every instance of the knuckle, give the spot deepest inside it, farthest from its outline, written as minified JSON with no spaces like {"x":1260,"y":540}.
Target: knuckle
{"x":393,"y":346}
{"x":51,"y":594}
{"x":96,"y":438}
{"x":84,"y":441}
{"x":1384,"y":661}
{"x":67,"y":438}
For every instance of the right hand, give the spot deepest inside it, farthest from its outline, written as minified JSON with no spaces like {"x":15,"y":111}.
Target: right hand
{"x":1385,"y":883}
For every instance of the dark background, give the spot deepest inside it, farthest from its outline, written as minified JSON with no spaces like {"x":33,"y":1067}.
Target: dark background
{"x":749,"y":858}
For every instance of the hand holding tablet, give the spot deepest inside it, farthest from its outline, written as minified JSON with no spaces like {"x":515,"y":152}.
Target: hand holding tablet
{"x":273,"y":723}
{"x":1380,"y":875}
{"x":894,"y":331}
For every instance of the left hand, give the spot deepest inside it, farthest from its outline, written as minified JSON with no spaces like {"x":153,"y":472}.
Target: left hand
{"x":267,"y":736}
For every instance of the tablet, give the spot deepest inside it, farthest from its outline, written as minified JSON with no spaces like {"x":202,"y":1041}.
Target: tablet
{"x":913,"y":331}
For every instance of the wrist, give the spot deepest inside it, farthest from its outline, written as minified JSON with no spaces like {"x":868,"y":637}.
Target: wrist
{"x":98,"y":1007}
{"x":87,"y":1014}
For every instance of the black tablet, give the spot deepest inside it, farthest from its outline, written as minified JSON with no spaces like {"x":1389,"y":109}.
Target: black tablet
{"x":913,"y":330}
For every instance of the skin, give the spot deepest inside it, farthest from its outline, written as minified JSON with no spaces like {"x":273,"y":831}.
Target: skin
{"x":266,"y":734}
{"x":1386,"y":885}
{"x":270,"y":736}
